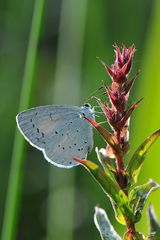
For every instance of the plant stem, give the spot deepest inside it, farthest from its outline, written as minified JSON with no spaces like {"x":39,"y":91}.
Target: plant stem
{"x":131,"y":230}
{"x":17,"y":163}
{"x":120,"y":164}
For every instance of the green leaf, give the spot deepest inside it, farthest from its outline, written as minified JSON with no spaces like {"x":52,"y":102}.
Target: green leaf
{"x":108,"y":137}
{"x":104,"y":226}
{"x":153,"y":221}
{"x":122,"y":207}
{"x":106,"y":162}
{"x":137,"y":160}
{"x":139,"y":195}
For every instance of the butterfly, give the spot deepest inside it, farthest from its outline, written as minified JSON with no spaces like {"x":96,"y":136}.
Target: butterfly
{"x":60,"y":132}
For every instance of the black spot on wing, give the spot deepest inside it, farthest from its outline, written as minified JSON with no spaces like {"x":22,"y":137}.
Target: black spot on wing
{"x":43,"y":134}
{"x":50,"y":115}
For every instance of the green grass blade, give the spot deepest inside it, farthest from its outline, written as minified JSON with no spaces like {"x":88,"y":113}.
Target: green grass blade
{"x":17,"y":162}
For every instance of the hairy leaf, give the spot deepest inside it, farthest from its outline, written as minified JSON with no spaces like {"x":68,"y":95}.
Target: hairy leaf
{"x":104,"y":226}
{"x":152,"y":220}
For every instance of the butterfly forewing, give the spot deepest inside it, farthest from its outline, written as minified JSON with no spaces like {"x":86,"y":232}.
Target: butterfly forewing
{"x":59,"y":131}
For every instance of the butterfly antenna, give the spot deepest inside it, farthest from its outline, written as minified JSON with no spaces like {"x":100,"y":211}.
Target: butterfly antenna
{"x":93,"y":93}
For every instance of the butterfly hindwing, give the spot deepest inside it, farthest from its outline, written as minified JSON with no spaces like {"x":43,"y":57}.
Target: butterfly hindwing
{"x":73,"y":140}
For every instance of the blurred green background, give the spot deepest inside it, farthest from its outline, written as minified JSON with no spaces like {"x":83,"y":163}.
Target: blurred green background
{"x":60,"y":66}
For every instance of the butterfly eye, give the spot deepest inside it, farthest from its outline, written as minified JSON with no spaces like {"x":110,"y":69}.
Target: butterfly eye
{"x":87,"y":105}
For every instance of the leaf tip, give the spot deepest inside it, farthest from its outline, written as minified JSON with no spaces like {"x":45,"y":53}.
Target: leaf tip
{"x":79,"y":160}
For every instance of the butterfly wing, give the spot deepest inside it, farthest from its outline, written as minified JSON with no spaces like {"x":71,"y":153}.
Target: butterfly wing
{"x":58,"y":131}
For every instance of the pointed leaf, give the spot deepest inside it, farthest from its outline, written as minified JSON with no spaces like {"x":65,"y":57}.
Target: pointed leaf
{"x":119,"y":57}
{"x":104,"y":132}
{"x":137,"y":160}
{"x":153,"y":221}
{"x":121,"y":75}
{"x":139,"y":195}
{"x":127,"y":86}
{"x":128,"y":114}
{"x":104,"y":226}
{"x":110,"y":93}
{"x":109,"y":186}
{"x":123,"y":210}
{"x":108,"y":69}
{"x":109,"y":171}
{"x":106,"y":135}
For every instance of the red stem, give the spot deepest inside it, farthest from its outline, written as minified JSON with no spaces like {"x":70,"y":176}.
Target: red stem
{"x":131,"y":230}
{"x":120,"y":165}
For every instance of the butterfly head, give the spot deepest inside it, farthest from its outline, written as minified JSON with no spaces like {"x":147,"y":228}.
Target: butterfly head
{"x":88,"y":110}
